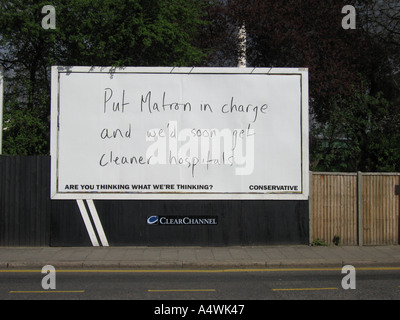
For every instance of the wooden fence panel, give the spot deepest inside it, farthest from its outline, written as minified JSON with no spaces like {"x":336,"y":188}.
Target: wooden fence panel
{"x":334,"y":207}
{"x":380,"y":209}
{"x":369,"y":216}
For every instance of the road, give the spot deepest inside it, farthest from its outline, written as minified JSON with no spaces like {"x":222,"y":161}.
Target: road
{"x":211,"y":285}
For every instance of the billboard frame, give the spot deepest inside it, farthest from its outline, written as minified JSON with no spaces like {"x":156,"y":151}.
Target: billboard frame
{"x":304,"y":122}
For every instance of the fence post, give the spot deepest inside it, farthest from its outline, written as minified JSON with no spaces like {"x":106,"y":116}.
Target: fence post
{"x":359,"y":208}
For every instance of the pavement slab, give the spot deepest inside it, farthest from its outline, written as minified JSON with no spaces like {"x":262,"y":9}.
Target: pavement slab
{"x":256,"y":257}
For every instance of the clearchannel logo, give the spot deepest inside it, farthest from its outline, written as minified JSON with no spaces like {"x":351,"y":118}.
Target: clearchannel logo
{"x":182,"y":220}
{"x":152,"y":220}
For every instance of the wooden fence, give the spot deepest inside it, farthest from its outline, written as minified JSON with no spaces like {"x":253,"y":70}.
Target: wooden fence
{"x":355,"y":208}
{"x":360,"y":208}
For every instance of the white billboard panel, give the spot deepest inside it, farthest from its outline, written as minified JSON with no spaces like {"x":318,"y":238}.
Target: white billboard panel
{"x":179,"y":133}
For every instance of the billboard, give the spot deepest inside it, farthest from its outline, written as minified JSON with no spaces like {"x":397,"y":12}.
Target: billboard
{"x":179,"y":133}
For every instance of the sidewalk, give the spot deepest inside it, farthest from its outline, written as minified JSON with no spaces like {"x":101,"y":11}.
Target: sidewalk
{"x":200,"y":257}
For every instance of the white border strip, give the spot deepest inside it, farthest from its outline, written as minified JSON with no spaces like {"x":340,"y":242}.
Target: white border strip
{"x":1,"y":108}
{"x":54,"y":129}
{"x":87,"y":222}
{"x":97,"y":223}
{"x":303,"y":72}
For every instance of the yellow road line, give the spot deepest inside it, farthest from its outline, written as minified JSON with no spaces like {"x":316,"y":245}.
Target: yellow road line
{"x":200,"y":270}
{"x":305,"y":289}
{"x":184,"y":290}
{"x":49,"y":291}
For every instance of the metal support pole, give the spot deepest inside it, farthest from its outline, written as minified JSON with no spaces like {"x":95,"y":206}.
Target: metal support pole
{"x":242,"y":44}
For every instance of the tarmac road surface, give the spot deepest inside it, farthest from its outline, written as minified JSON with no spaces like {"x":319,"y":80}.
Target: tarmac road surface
{"x":240,"y":285}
